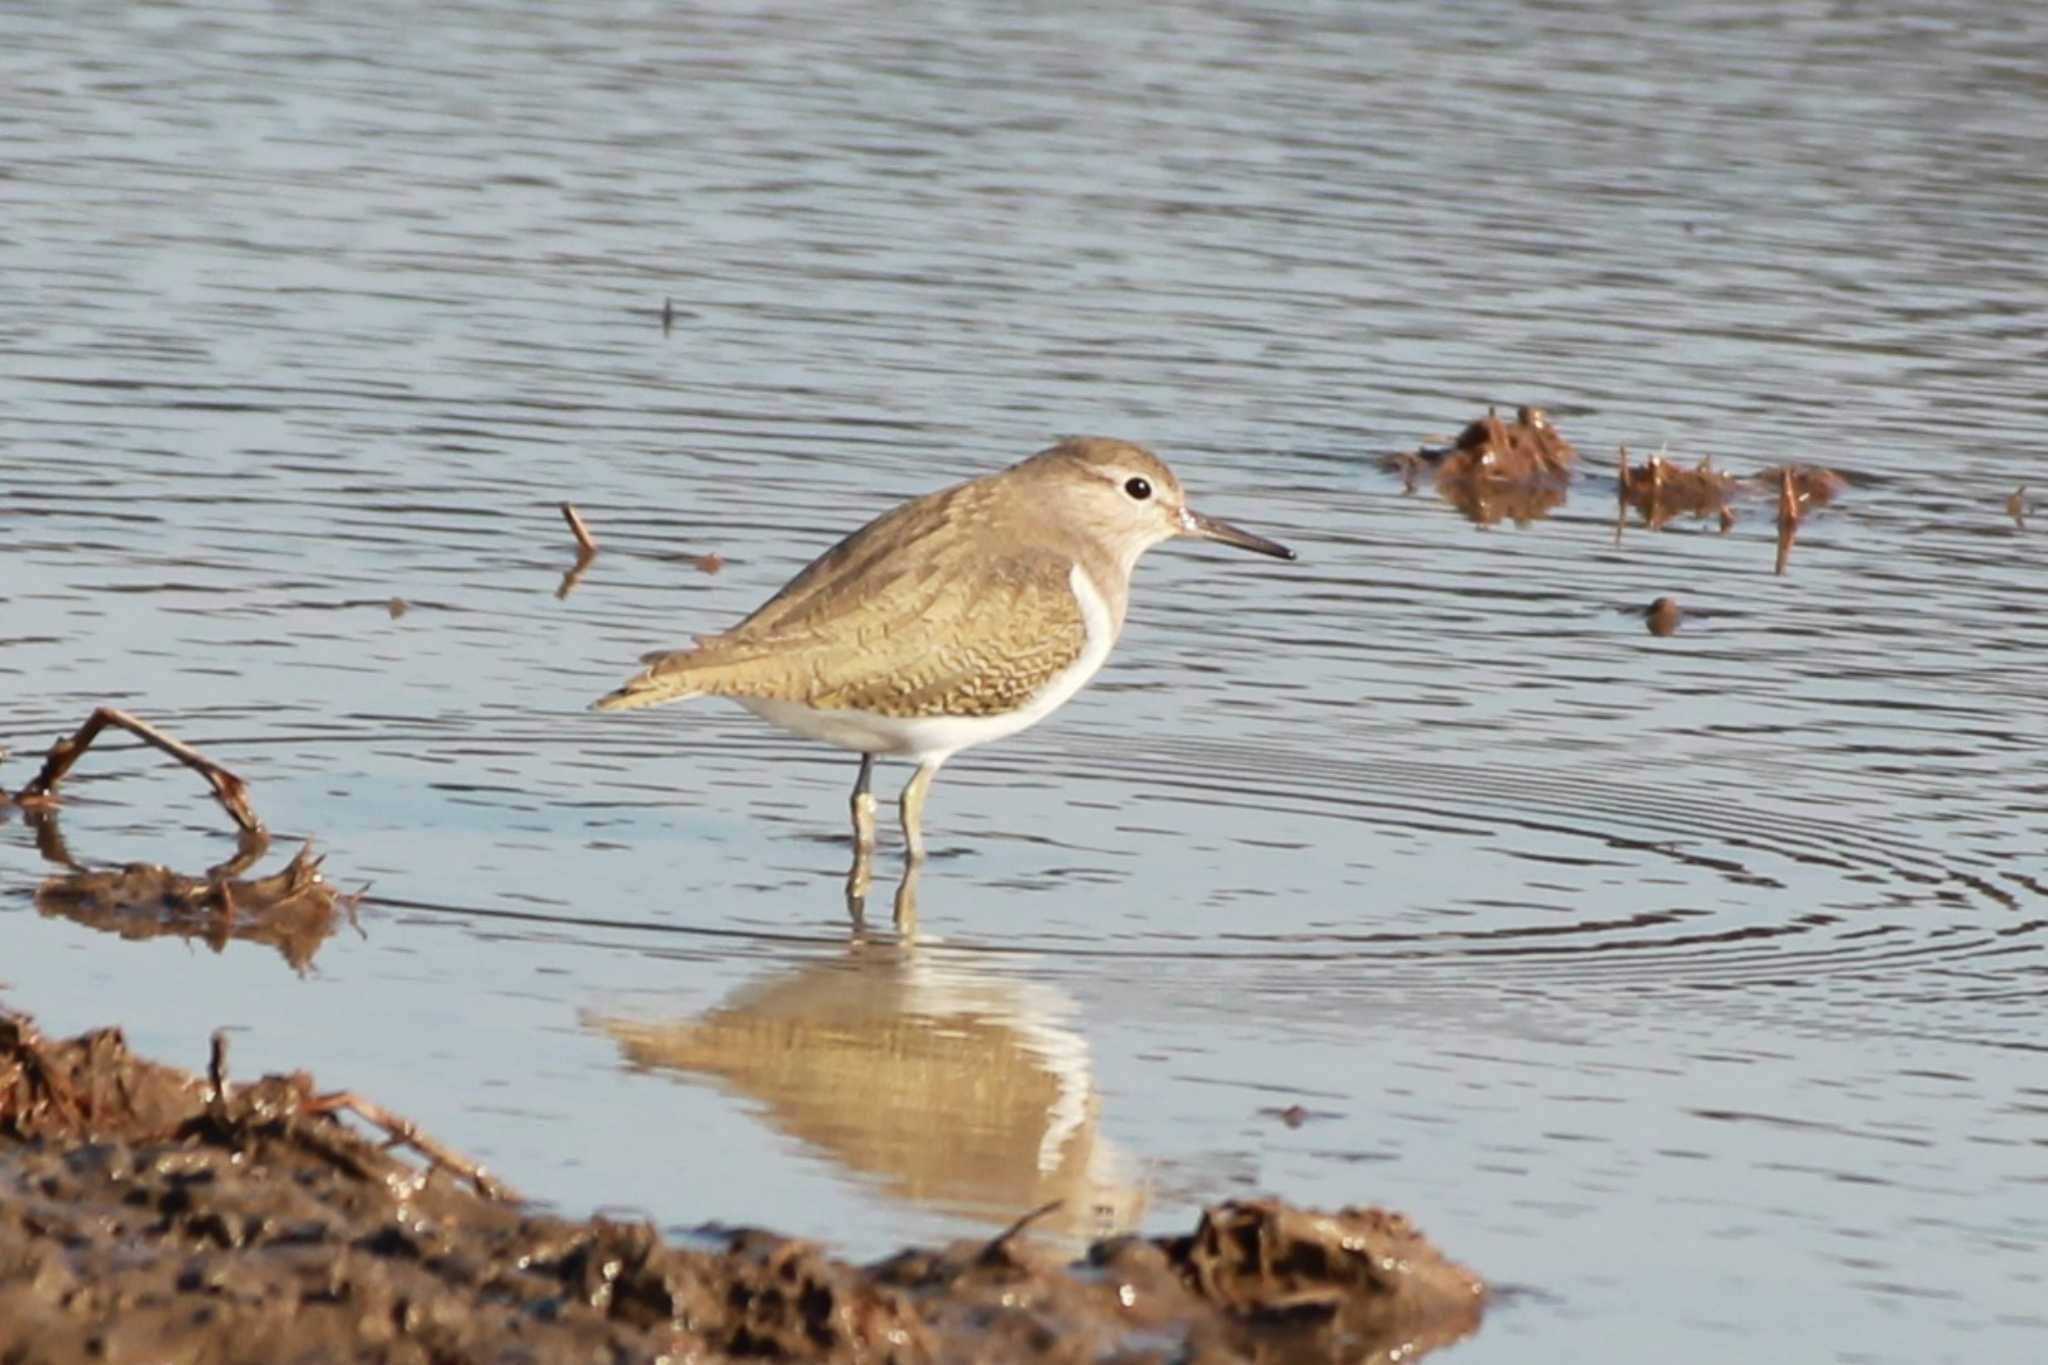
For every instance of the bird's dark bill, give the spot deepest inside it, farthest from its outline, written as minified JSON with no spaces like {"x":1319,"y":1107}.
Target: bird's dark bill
{"x":1208,"y":528}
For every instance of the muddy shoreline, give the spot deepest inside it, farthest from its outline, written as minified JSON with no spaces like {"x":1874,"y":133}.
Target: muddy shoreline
{"x":153,"y":1213}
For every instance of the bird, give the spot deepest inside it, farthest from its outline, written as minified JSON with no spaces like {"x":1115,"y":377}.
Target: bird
{"x":954,"y":619}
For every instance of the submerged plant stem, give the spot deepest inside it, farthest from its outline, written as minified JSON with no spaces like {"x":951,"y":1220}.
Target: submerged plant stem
{"x":228,"y":788}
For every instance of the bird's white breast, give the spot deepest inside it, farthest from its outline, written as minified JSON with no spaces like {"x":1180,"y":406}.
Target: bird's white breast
{"x":926,"y":738}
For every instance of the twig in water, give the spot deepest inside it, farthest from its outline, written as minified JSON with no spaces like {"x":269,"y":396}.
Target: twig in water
{"x":574,"y":576}
{"x":1621,"y":495}
{"x":578,"y":529}
{"x":230,"y":790}
{"x":1788,"y":517}
{"x":217,"y":1069}
{"x":998,"y":1243}
{"x":405,"y":1132}
{"x":586,"y":551}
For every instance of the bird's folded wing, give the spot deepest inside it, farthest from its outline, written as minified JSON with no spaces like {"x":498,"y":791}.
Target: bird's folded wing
{"x":922,"y":640}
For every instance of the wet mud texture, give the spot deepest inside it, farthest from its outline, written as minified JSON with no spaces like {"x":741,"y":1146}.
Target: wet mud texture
{"x":152,"y":1214}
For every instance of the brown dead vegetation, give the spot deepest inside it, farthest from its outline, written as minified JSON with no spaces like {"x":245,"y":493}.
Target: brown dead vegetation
{"x":148,"y":1213}
{"x":1518,"y":470}
{"x":230,"y":790}
{"x":293,"y":909}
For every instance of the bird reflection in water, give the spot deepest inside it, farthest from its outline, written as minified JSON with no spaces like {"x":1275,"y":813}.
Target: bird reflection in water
{"x":949,"y":1086}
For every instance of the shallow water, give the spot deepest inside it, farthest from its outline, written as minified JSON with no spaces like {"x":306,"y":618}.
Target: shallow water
{"x":1692,"y":986}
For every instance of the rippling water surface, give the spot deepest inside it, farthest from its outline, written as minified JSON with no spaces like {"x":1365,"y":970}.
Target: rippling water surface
{"x":1692,"y":986}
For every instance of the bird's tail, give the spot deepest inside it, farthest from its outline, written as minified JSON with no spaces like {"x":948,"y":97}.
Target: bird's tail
{"x":652,"y":686}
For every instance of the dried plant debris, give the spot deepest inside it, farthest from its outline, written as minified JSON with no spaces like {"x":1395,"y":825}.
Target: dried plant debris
{"x":230,"y":790}
{"x":1799,"y":489}
{"x":1812,"y":486}
{"x":1662,"y":490}
{"x":1789,"y":512}
{"x":1519,"y":471}
{"x":151,"y":1213}
{"x":586,"y":551}
{"x":1486,"y":501}
{"x":586,"y":544}
{"x":1257,"y":1279}
{"x":1367,"y":1270}
{"x":294,"y":909}
{"x":91,"y":1089}
{"x":586,"y":554}
{"x":1529,"y":447}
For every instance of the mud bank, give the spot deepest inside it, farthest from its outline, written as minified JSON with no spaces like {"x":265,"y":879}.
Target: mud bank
{"x":151,"y":1213}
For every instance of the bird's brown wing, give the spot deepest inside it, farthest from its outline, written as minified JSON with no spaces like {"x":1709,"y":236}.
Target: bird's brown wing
{"x":906,"y":623}
{"x":905,"y":542}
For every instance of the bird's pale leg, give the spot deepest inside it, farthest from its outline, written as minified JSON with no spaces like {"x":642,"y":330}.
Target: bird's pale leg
{"x":864,"y":810}
{"x":863,"y":803}
{"x":913,"y":809}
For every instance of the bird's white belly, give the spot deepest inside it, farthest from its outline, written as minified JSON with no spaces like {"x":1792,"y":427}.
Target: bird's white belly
{"x":939,"y":737}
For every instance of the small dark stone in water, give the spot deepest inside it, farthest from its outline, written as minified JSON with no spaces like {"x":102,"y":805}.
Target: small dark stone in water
{"x":1662,"y":616}
{"x":1294,"y":1115}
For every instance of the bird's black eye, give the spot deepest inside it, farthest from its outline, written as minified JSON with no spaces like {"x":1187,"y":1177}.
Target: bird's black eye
{"x":1138,"y":489}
